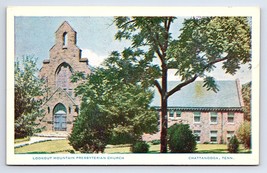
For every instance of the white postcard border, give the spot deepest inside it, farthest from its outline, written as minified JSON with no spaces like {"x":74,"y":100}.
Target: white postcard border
{"x":132,"y":159}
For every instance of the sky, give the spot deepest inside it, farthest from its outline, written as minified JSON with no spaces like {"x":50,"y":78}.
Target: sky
{"x":95,"y":37}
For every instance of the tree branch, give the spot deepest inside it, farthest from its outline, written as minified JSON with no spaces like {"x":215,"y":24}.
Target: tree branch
{"x":169,"y":23}
{"x":181,"y":85}
{"x":158,"y":86}
{"x":215,"y":61}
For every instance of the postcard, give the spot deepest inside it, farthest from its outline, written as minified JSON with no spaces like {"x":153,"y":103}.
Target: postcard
{"x":132,"y":85}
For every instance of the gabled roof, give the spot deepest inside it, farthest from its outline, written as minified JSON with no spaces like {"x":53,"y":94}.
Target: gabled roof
{"x":59,"y":89}
{"x":196,"y":97}
{"x":65,"y":23}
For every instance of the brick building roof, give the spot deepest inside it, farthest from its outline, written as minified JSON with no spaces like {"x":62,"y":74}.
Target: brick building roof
{"x":196,"y":97}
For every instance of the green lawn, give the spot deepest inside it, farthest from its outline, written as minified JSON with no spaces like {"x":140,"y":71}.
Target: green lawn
{"x":56,"y":146}
{"x":62,"y":146}
{"x":22,"y":140}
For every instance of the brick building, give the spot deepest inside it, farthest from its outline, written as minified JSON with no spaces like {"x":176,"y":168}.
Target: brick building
{"x":213,"y":117}
{"x":62,"y":107}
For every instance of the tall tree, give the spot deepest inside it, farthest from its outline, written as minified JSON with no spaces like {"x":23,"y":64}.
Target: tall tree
{"x":28,"y":91}
{"x":203,"y":43}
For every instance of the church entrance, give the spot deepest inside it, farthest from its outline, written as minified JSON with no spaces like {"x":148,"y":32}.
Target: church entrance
{"x":60,"y":117}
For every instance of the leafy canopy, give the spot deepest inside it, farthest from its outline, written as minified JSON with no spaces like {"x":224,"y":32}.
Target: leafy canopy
{"x":119,"y":103}
{"x":204,"y":41}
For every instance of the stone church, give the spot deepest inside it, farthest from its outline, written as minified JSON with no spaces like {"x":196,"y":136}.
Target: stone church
{"x":62,"y":107}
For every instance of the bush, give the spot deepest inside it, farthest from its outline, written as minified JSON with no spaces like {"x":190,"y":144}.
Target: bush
{"x":233,"y":145}
{"x":181,"y":139}
{"x":155,"y":142}
{"x":244,"y":134}
{"x":140,"y":147}
{"x":121,"y":138}
{"x":90,"y":133}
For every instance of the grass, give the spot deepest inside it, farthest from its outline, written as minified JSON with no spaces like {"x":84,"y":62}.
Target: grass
{"x":56,"y":146}
{"x":63,"y":147}
{"x":22,"y":140}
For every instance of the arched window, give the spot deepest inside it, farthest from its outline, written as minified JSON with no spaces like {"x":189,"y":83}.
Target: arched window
{"x":65,"y":39}
{"x":59,"y":107}
{"x":63,"y":74}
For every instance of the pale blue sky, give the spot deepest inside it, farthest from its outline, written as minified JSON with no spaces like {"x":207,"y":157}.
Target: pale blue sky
{"x":36,"y":35}
{"x":95,"y":36}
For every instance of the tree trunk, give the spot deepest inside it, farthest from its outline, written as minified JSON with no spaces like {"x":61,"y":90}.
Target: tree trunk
{"x":164,"y":106}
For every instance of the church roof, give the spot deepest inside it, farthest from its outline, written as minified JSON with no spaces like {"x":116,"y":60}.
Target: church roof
{"x":196,"y":97}
{"x":65,"y":23}
{"x":59,"y":89}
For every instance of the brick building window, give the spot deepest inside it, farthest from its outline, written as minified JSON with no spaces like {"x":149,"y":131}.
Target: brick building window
{"x":196,"y":117}
{"x":171,"y":114}
{"x":178,"y":114}
{"x":213,"y":136}
{"x":230,"y":117}
{"x":197,"y":135}
{"x":213,"y":118}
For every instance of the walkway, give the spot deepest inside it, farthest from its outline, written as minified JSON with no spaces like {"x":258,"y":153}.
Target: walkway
{"x":36,"y":139}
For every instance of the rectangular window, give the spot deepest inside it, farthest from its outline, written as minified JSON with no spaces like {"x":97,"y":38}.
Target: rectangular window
{"x":213,"y":136}
{"x":197,"y":135}
{"x":196,"y":117}
{"x":230,"y":117}
{"x":213,"y":117}
{"x":229,"y":135}
{"x":178,"y":114}
{"x":171,"y":114}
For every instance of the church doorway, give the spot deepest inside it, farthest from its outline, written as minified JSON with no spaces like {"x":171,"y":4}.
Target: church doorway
{"x":60,"y":117}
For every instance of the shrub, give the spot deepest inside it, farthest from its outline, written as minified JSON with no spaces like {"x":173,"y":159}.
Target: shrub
{"x":121,"y":138}
{"x":233,"y":145}
{"x":90,"y":133}
{"x":181,"y":139}
{"x":244,"y":134}
{"x":140,"y":147}
{"x":155,"y":142}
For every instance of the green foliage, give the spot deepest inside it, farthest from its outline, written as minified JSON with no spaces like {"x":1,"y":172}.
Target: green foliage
{"x":91,"y":132}
{"x":121,"y":138}
{"x":233,"y":145}
{"x":181,"y":139}
{"x":203,"y":42}
{"x":140,"y":147}
{"x":244,"y":134}
{"x":246,"y":94}
{"x":155,"y":142}
{"x":207,"y":41}
{"x":122,"y":105}
{"x":28,"y":97}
